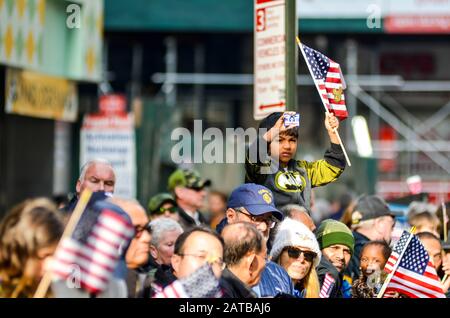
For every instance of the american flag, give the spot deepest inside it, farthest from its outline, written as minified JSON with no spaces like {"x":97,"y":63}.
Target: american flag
{"x":92,"y":260}
{"x":327,"y":286}
{"x":415,"y":275}
{"x":329,"y":80}
{"x":200,"y":284}
{"x":174,"y":290}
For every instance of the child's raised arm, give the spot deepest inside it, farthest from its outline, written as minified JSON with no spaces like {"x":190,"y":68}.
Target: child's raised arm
{"x":331,"y":122}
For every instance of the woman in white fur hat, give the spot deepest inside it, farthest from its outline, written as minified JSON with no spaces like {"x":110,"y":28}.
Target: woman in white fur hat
{"x":295,"y":248}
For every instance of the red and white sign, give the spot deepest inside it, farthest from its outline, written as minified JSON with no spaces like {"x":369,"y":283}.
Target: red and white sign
{"x":269,"y":55}
{"x":113,"y":104}
{"x":418,"y":24}
{"x":112,"y":137}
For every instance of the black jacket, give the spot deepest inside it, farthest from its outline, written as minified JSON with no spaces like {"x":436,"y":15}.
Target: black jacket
{"x":159,"y":276}
{"x":325,"y":267}
{"x":186,"y":221}
{"x":233,"y":287}
{"x":352,"y":269}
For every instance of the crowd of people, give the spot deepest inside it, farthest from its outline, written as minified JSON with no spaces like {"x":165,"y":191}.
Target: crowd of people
{"x":262,"y":240}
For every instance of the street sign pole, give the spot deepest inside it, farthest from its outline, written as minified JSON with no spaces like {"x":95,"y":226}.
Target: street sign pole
{"x":291,"y":54}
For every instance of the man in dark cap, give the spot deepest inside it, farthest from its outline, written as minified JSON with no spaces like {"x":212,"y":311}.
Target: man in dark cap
{"x":163,"y":205}
{"x":188,"y":189}
{"x":372,"y":220}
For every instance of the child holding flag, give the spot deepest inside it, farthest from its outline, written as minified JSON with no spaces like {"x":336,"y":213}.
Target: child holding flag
{"x":289,"y":179}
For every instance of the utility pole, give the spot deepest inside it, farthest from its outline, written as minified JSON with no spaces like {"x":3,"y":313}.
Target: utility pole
{"x":291,"y":24}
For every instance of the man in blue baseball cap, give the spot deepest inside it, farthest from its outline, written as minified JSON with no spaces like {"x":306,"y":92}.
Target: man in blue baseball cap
{"x":253,"y":203}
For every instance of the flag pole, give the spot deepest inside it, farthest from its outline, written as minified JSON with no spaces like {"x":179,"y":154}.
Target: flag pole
{"x":323,"y":102}
{"x":46,"y":280}
{"x":391,"y":274}
{"x":444,"y":221}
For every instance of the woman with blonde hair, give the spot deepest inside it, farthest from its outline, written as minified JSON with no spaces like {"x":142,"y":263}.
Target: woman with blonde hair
{"x":29,"y":234}
{"x":295,"y":248}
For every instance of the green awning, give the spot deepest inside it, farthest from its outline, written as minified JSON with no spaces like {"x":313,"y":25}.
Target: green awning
{"x":206,"y":16}
{"x":176,"y":15}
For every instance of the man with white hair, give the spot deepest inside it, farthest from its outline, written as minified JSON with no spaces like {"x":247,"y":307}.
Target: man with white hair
{"x":96,"y":175}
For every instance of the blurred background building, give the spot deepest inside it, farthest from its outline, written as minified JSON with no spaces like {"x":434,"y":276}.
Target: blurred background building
{"x":176,"y":61}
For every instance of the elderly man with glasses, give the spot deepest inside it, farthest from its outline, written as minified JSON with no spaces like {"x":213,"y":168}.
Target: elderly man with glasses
{"x":253,"y":203}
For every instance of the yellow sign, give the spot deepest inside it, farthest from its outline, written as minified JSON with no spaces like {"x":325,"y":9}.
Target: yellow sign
{"x":36,"y":95}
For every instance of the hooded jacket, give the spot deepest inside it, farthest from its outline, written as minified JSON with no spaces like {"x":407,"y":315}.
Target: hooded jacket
{"x":293,"y":184}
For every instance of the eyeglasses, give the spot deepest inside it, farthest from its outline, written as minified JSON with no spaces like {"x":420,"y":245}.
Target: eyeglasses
{"x":162,"y":210}
{"x":139,"y":229}
{"x":295,"y":253}
{"x":270,"y":221}
{"x":207,"y":258}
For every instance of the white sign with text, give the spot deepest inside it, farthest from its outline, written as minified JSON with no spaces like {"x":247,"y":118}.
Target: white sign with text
{"x":270,"y":58}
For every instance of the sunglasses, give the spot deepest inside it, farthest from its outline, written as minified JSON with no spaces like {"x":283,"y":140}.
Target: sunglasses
{"x":294,"y":252}
{"x":139,"y":229}
{"x":162,"y":210}
{"x":197,"y":189}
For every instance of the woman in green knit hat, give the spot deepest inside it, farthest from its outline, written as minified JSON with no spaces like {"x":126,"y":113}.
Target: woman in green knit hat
{"x":337,"y":244}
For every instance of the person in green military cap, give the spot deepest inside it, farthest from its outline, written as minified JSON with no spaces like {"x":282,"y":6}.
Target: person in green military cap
{"x":188,"y":188}
{"x":337,"y":244}
{"x":163,"y":205}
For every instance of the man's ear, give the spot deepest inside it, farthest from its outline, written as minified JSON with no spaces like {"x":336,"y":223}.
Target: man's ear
{"x":175,"y":260}
{"x":178,"y":192}
{"x":231,"y":216}
{"x":252,"y":263}
{"x":78,"y":187}
{"x":153,"y":252}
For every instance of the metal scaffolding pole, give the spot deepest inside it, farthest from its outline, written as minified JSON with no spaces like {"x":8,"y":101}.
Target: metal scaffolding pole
{"x":375,"y":106}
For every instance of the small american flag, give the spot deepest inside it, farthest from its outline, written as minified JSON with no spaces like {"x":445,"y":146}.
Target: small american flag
{"x":92,"y":260}
{"x":329,"y":80}
{"x":174,"y":290}
{"x":200,"y":284}
{"x":327,"y":286}
{"x":415,"y":275}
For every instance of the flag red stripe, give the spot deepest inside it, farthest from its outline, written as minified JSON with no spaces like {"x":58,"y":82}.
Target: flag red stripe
{"x":87,"y":272}
{"x":334,"y":69}
{"x":418,"y":282}
{"x":175,"y":292}
{"x":87,"y":258}
{"x":339,"y":113}
{"x":105,"y":225}
{"x":402,"y":291}
{"x":89,"y":288}
{"x":118,"y":218}
{"x":102,"y":239}
{"x":333,"y":80}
